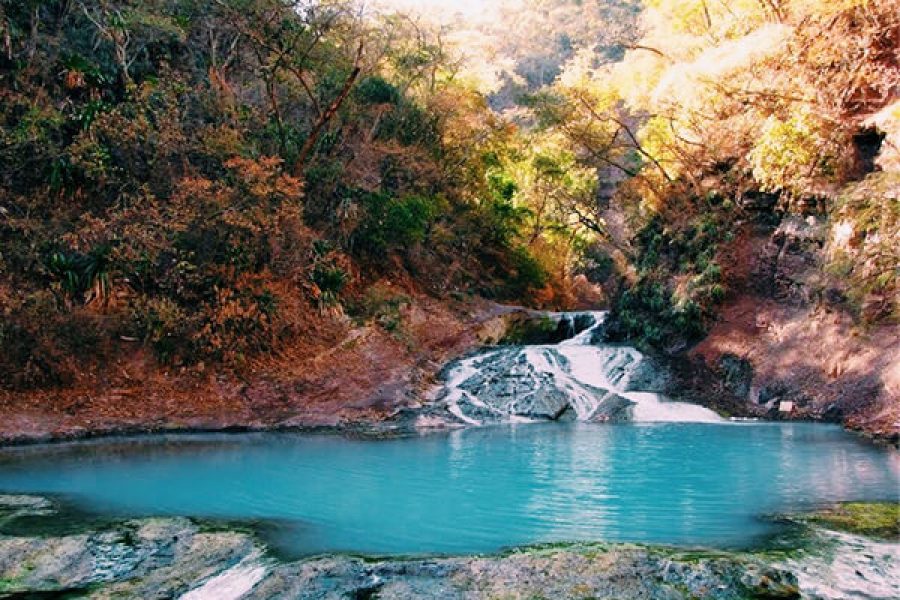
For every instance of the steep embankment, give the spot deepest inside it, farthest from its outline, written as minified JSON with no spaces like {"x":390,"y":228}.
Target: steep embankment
{"x":785,"y":345}
{"x":192,"y":193}
{"x":339,"y":374}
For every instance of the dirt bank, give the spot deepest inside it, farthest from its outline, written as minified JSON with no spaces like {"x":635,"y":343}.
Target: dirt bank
{"x":334,"y":375}
{"x":786,"y":345}
{"x":765,"y":357}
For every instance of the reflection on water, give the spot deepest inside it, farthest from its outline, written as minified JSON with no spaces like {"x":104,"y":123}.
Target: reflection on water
{"x":475,"y":490}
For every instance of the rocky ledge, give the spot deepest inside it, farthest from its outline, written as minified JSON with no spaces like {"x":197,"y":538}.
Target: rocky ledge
{"x":183,"y":558}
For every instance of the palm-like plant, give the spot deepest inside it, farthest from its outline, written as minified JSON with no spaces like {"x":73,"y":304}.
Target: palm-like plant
{"x":85,"y":277}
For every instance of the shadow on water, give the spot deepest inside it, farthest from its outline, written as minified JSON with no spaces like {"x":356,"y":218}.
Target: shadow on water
{"x":70,"y":516}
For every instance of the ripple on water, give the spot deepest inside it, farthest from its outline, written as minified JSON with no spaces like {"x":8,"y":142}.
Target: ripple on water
{"x":476,"y":490}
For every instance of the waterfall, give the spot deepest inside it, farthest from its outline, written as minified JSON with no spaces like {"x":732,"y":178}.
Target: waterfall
{"x":572,"y":379}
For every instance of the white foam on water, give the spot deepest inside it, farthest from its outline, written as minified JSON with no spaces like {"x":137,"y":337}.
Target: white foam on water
{"x":594,"y":365}
{"x":848,"y":567}
{"x":580,"y":368}
{"x":652,"y":408}
{"x":233,"y":583}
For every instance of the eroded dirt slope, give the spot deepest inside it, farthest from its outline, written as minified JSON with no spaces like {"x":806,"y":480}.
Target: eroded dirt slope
{"x":332,"y":376}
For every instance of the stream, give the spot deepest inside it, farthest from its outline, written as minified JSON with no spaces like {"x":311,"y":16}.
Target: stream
{"x":574,"y":443}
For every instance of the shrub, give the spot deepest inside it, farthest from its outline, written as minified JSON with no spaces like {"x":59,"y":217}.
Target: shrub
{"x":523,"y":276}
{"x":392,"y":224}
{"x":82,"y":277}
{"x":329,"y":281}
{"x":382,"y":305}
{"x":410,"y":125}
{"x":791,"y":154}
{"x":376,"y":90}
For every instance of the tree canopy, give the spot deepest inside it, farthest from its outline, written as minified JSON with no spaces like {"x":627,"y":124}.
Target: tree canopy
{"x":208,"y":178}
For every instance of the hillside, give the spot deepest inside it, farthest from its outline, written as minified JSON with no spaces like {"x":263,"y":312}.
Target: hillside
{"x":251,"y":213}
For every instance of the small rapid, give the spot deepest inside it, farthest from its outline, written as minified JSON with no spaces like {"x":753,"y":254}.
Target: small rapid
{"x":576,"y":379}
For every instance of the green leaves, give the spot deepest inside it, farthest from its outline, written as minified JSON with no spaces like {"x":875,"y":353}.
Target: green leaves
{"x":77,"y":274}
{"x":330,"y":281}
{"x":790,"y":154}
{"x":377,"y":90}
{"x":394,"y":223}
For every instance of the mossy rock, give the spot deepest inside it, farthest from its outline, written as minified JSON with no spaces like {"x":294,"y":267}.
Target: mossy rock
{"x":524,"y":331}
{"x":873,"y":519}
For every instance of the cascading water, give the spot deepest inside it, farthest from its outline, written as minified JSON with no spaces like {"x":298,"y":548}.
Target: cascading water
{"x":572,"y":379}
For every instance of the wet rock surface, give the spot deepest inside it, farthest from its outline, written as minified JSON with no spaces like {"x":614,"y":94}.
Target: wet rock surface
{"x":530,"y":383}
{"x":646,"y":375}
{"x":581,"y":378}
{"x":574,"y":572}
{"x":738,"y":374}
{"x":180,"y":558}
{"x":152,"y":558}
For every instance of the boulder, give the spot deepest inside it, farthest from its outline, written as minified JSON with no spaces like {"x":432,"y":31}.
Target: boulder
{"x":647,"y":376}
{"x":738,"y":374}
{"x":612,"y":409}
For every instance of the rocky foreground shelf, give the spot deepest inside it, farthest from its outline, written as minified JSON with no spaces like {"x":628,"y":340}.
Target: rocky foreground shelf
{"x":184,"y":558}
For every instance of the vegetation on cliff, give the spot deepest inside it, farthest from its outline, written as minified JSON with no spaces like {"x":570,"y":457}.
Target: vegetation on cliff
{"x":207,"y":179}
{"x":725,"y":117}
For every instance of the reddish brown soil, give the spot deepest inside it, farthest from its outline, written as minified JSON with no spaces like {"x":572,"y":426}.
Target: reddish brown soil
{"x":354,"y":375}
{"x":817,"y":352}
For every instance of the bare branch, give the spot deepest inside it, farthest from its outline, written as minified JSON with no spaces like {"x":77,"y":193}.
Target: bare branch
{"x":329,"y":113}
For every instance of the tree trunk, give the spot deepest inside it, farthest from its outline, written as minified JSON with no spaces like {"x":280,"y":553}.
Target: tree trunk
{"x":326,"y":116}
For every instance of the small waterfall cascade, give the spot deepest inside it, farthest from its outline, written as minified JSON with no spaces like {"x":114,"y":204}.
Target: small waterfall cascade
{"x":575,"y":379}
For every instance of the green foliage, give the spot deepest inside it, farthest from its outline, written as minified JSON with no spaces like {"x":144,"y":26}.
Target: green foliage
{"x":877,"y":519}
{"x":151,"y":177}
{"x":376,"y":90}
{"x":76,"y":274}
{"x":501,"y":221}
{"x":680,"y":282}
{"x":649,"y":314}
{"x":524,"y":275}
{"x":410,"y":125}
{"x":685,"y":249}
{"x":503,"y":187}
{"x":394,"y":223}
{"x":789,"y":155}
{"x":330,"y":281}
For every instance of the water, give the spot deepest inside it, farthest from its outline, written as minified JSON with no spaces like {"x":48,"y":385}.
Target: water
{"x":540,"y":382}
{"x":582,"y":359}
{"x":478,"y":489}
